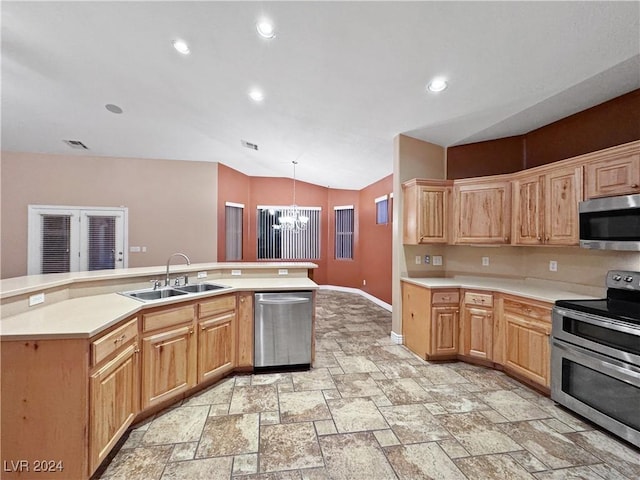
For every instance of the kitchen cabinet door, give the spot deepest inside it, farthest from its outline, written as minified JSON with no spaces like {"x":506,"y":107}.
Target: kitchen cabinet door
{"x":613,"y":176}
{"x":416,"y":326}
{"x":168,"y":364}
{"x":482,"y":212}
{"x":528,"y":212}
{"x":114,"y":396}
{"x":563,"y":192}
{"x":444,"y":322}
{"x":477,"y":332}
{"x":216,"y":345}
{"x":426,"y":210}
{"x":527,"y":330}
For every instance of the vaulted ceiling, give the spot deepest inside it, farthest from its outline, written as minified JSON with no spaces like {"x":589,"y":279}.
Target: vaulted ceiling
{"x":340,"y":79}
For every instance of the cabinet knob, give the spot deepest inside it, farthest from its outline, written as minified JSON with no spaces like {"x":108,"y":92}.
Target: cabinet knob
{"x":546,"y":238}
{"x":506,"y":239}
{"x":539,"y":238}
{"x":191,"y":331}
{"x":634,"y":185}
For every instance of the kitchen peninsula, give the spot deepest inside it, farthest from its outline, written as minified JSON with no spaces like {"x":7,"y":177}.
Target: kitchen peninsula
{"x":86,"y":363}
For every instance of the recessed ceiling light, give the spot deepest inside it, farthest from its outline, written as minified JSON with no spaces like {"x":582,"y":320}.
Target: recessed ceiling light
{"x":181,"y":46}
{"x":265,"y":29}
{"x":437,"y":85}
{"x":113,"y":108}
{"x":256,"y":95}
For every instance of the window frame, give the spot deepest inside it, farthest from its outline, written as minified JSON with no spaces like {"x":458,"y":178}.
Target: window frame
{"x":337,"y":233}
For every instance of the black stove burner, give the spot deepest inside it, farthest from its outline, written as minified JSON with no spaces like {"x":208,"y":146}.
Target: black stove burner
{"x":616,"y":309}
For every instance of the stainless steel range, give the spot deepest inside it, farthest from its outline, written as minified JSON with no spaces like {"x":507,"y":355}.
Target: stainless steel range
{"x":595,"y":356}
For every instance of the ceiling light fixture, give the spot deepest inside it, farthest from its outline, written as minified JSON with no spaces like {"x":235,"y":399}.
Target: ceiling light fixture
{"x":256,"y":95}
{"x":437,"y":85}
{"x":113,"y":108}
{"x":265,"y":29}
{"x":292,"y":219}
{"x":181,"y":46}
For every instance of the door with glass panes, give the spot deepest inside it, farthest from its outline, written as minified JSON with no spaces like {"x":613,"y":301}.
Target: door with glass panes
{"x":69,"y":239}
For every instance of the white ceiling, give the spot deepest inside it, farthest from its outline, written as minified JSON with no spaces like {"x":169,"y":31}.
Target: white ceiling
{"x":341,"y":79}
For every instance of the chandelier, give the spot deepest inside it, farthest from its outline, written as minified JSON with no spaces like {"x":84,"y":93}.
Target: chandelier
{"x":291,"y":218}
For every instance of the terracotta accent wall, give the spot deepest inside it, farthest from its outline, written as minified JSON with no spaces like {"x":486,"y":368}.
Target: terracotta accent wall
{"x":376,"y":241}
{"x":344,"y":273}
{"x":233,"y":186}
{"x":372,"y":243}
{"x":172,"y":204}
{"x":504,"y":155}
{"x":611,"y":123}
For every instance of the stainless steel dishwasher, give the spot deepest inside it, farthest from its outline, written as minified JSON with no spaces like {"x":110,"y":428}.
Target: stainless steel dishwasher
{"x":283,"y":330}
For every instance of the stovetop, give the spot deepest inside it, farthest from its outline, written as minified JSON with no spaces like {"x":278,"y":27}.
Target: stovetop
{"x":622,"y":302}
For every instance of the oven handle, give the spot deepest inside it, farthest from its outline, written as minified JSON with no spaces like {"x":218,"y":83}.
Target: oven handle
{"x":623,"y":370}
{"x":597,"y":321}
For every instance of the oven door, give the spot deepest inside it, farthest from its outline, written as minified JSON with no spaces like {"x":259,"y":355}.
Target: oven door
{"x":607,"y":336}
{"x":602,"y":389}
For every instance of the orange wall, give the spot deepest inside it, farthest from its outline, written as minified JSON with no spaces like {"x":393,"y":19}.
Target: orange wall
{"x":372,"y":243}
{"x":375,"y":247}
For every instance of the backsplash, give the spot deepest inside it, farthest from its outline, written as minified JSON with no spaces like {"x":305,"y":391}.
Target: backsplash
{"x":575,"y":265}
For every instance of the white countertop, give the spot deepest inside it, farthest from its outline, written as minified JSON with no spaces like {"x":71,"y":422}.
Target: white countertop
{"x":33,"y":283}
{"x":87,"y":316}
{"x":534,"y":289}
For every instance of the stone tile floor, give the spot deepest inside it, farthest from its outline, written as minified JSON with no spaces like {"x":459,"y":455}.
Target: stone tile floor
{"x":369,"y":410}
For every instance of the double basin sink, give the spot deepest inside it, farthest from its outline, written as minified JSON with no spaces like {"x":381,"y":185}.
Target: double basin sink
{"x":149,"y":294}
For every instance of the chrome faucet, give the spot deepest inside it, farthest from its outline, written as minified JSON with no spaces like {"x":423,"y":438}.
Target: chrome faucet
{"x":166,"y":281}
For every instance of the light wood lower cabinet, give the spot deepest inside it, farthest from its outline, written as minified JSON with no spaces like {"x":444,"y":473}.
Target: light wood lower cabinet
{"x":445,"y":330}
{"x":527,"y":330}
{"x":169,"y":356}
{"x":416,"y":324}
{"x":477,"y":325}
{"x":114,"y":402}
{"x":217,"y":324}
{"x":244,"y":350}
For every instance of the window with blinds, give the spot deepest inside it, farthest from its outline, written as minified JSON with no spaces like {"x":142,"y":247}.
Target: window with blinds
{"x":279,"y":243}
{"x":344,"y":222}
{"x":382,"y":210}
{"x":233,"y":216}
{"x":101,"y":242}
{"x":55,"y":235}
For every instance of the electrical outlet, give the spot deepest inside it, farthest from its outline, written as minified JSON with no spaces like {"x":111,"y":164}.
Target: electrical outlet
{"x":202,"y":274}
{"x":144,"y":249}
{"x":135,"y":249}
{"x":427,"y":259}
{"x":283,"y":271}
{"x":36,"y":299}
{"x":437,"y":260}
{"x":418,"y":260}
{"x":485,"y":261}
{"x":235,"y":273}
{"x":553,"y":266}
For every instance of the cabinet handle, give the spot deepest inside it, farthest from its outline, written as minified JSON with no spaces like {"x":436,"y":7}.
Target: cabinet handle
{"x":191,"y":331}
{"x":634,"y":185}
{"x":120,"y":339}
{"x":137,"y":350}
{"x":203,"y":328}
{"x":241,"y":299}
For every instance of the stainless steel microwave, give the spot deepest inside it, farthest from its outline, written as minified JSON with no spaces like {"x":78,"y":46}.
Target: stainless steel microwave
{"x":610,"y":223}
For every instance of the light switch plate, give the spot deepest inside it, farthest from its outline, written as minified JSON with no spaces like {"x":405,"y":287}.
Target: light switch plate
{"x":283,"y":271}
{"x":236,"y":272}
{"x":202,"y":274}
{"x":36,"y":299}
{"x":418,"y":260}
{"x":437,"y":260}
{"x":553,"y":266}
{"x":485,"y":261}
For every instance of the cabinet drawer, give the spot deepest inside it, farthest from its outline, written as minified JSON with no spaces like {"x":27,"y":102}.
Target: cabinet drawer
{"x":484,"y":299}
{"x":445,"y":297}
{"x":526,"y":309}
{"x":216,"y":305}
{"x":105,"y":346}
{"x":167,"y":318}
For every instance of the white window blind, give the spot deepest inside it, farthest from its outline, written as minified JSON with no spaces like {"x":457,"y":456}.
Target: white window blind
{"x":344,"y":221}
{"x":274,"y":243}
{"x":234,"y":213}
{"x":56,"y":243}
{"x":382,"y":210}
{"x":102,"y":242}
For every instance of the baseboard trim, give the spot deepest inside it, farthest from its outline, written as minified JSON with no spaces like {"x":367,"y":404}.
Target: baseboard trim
{"x":366,"y":295}
{"x":397,"y":339}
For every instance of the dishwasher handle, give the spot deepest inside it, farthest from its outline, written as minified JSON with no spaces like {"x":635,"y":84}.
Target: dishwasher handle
{"x":283,"y":301}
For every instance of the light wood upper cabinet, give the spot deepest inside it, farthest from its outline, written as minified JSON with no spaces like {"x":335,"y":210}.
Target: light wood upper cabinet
{"x":482,"y":211}
{"x":527,"y":330}
{"x":613,"y":176}
{"x":217,"y":327}
{"x":545,"y":207}
{"x":426,"y":211}
{"x":169,"y":356}
{"x":114,"y":402}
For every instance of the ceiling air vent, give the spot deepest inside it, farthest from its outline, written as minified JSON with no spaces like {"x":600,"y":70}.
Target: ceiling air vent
{"x":250,"y":145}
{"x":77,"y":144}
